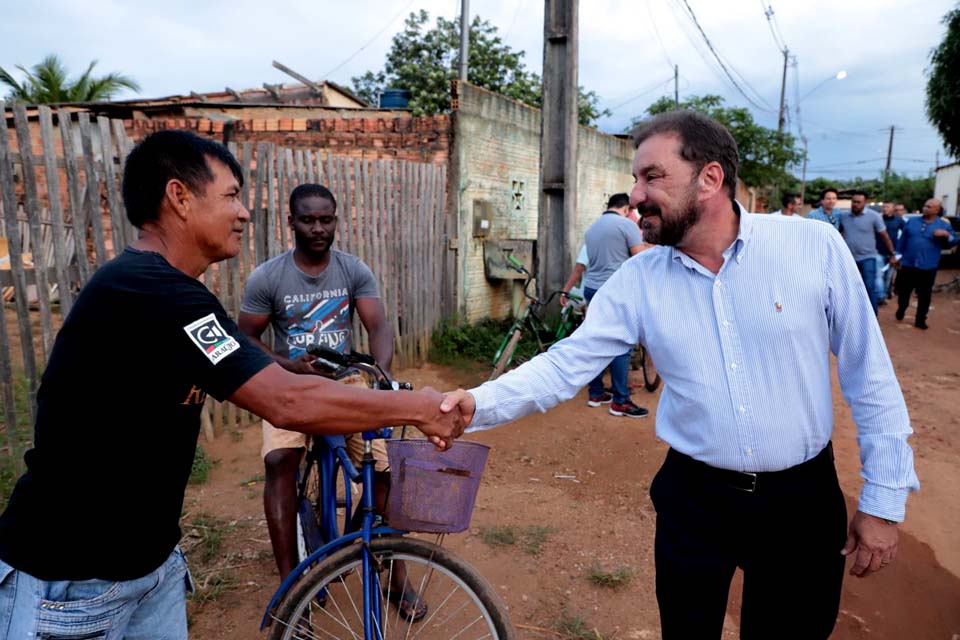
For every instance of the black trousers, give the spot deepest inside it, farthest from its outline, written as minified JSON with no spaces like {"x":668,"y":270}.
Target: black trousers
{"x":922,"y":280}
{"x":786,"y":536}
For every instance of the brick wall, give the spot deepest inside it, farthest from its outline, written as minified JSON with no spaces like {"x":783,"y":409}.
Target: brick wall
{"x":497,"y":144}
{"x":374,"y":137}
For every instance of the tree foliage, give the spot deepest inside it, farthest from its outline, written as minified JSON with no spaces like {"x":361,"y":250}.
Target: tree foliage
{"x":47,"y":82}
{"x":424,"y":60}
{"x":943,"y":85}
{"x":764,"y":153}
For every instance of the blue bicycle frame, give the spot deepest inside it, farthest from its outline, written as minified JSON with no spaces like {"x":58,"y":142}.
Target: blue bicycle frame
{"x":333,"y":451}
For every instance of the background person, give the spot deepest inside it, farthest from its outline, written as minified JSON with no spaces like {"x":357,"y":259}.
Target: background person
{"x":921,"y":241}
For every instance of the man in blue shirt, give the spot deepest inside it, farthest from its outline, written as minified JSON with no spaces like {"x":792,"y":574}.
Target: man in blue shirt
{"x":922,"y":240}
{"x":862,"y":229}
{"x":824,"y":213}
{"x":742,"y":336}
{"x":894,"y":225}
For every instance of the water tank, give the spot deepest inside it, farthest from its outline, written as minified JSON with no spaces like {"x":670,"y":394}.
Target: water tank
{"x":394,"y":99}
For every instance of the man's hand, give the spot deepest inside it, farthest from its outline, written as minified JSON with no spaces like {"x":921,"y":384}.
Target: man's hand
{"x":463,"y":400}
{"x":893,"y":261}
{"x":304,"y":364}
{"x":443,"y":427}
{"x":941,"y":233}
{"x":873,"y":543}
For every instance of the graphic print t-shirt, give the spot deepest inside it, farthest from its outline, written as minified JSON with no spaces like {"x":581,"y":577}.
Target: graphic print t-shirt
{"x":118,"y":413}
{"x":306,"y":310}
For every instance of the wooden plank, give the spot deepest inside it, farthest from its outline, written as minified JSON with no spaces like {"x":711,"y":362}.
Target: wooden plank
{"x":56,"y":209}
{"x":282,"y":190}
{"x":259,"y":214}
{"x":319,"y":160}
{"x":32,"y":207}
{"x":77,"y":218}
{"x":309,"y":165}
{"x":292,"y":183}
{"x":359,"y":203}
{"x":244,"y":260}
{"x":346,"y":215}
{"x":301,"y":170}
{"x":403,"y":230}
{"x":9,"y":397}
{"x":15,"y":251}
{"x":273,"y":244}
{"x":117,"y":232}
{"x":92,"y":204}
{"x":124,"y":147}
{"x":393,"y":269}
{"x":420,"y":255}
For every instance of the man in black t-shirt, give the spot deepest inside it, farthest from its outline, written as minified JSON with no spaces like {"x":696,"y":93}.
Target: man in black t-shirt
{"x":88,"y":541}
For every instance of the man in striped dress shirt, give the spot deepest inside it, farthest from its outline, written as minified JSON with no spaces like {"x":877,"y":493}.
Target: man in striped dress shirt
{"x":741,"y":328}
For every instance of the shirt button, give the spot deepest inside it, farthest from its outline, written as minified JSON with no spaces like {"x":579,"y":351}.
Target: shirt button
{"x":717,"y":283}
{"x":726,"y":323}
{"x":743,"y":409}
{"x":733,"y":365}
{"x":749,"y":451}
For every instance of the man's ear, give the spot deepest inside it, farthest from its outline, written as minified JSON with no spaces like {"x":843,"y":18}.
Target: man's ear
{"x":710,"y":180}
{"x":178,"y":198}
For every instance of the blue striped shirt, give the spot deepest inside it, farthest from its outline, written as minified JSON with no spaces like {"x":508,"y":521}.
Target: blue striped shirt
{"x":821,"y":215}
{"x":744,"y":355}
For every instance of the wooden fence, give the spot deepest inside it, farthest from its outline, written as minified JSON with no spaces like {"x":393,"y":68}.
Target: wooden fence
{"x":62,"y":217}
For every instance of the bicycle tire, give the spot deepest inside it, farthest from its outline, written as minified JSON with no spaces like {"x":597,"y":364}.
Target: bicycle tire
{"x":506,"y":355}
{"x":309,"y":536}
{"x":457,"y":597}
{"x":651,"y":379}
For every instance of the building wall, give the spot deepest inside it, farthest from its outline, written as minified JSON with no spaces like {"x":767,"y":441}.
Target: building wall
{"x":496,"y":160}
{"x":947,"y":189}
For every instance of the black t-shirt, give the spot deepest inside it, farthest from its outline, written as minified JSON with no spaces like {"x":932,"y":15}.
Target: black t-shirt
{"x":117,"y":422}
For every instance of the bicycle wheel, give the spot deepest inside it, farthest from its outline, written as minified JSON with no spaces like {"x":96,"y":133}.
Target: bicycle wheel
{"x":506,"y":355}
{"x":651,"y":379}
{"x":460,"y":603}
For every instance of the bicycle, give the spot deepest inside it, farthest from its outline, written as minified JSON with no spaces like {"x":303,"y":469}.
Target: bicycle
{"x":532,"y":322}
{"x":641,"y":360}
{"x":345,"y":584}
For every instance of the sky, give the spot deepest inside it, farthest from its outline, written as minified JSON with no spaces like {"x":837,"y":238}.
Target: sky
{"x":626,"y":54}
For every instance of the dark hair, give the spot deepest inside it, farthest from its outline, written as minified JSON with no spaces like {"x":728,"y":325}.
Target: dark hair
{"x":164,"y":156}
{"x":310,"y":190}
{"x":859,"y":192}
{"x":787,"y":198}
{"x":823,"y":194}
{"x":702,"y":140}
{"x":618,"y":200}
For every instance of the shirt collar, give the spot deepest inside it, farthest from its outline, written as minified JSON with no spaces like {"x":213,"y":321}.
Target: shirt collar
{"x":736,"y":250}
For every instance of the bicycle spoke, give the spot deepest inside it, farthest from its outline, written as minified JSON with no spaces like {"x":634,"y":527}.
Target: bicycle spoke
{"x":356,"y":610}
{"x":464,"y":630}
{"x":437,"y":610}
{"x":386,"y":604}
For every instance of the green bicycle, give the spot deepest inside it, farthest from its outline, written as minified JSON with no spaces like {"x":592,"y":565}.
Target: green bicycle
{"x":532,"y":322}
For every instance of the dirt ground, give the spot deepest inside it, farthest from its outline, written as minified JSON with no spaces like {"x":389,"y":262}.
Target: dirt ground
{"x":585,"y":475}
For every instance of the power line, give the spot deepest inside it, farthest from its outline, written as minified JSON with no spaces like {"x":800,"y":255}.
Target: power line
{"x":723,"y":66}
{"x":768,"y":13}
{"x":516,"y":13}
{"x":656,"y":33}
{"x":369,"y":42}
{"x":642,"y":93}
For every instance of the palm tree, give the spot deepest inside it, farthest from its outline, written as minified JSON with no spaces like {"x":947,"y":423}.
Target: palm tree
{"x":47,"y":82}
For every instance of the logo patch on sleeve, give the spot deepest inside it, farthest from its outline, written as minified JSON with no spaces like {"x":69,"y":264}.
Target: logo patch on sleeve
{"x":210,"y":337}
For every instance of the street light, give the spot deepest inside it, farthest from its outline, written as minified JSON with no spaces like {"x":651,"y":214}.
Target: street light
{"x":840,"y":75}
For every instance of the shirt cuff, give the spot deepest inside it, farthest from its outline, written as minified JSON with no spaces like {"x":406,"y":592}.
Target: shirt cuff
{"x":483,"y":417}
{"x":883,"y":502}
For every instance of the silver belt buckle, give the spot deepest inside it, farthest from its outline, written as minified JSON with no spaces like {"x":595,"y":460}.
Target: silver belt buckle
{"x":753,"y":483}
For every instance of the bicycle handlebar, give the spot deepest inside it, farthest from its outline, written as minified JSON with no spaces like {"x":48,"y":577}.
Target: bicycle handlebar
{"x":366,"y":363}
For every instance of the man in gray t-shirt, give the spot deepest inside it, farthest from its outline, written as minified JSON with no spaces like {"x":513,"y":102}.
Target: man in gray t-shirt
{"x":861,"y":228}
{"x":610,"y":241}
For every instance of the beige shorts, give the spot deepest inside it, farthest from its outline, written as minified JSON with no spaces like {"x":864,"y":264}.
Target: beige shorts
{"x":274,"y":438}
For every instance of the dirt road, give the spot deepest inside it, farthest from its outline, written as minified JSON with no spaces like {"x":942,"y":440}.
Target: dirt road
{"x":572,"y":484}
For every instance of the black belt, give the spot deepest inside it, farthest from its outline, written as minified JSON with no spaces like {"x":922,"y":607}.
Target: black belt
{"x":752,"y":482}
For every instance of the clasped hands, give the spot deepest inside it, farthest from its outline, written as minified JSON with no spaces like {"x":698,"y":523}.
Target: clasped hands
{"x":454,"y":412}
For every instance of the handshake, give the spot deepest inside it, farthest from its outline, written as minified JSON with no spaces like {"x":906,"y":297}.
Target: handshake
{"x":446,"y":416}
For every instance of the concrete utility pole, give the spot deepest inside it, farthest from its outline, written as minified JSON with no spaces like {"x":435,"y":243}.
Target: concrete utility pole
{"x":558,"y":144}
{"x":676,"y":85}
{"x":783,"y":90}
{"x":464,"y":38}
{"x":886,"y":171}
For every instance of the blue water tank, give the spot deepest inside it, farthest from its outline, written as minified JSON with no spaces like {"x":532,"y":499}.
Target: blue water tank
{"x":394,"y":99}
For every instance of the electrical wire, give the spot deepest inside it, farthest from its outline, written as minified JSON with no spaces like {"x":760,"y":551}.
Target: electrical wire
{"x":726,"y":67}
{"x":768,"y":14}
{"x":642,"y":93}
{"x":516,"y":13}
{"x":369,"y":42}
{"x":656,"y":33}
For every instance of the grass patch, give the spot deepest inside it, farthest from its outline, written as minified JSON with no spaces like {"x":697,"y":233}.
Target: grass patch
{"x":202,"y":464}
{"x":16,"y":440}
{"x":203,"y":537}
{"x":530,"y":539}
{"x":499,"y":536}
{"x":462,"y":345}
{"x":574,"y":627}
{"x":609,"y":579}
{"x":210,"y":586}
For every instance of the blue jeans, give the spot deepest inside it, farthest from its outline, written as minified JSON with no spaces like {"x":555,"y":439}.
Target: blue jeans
{"x":868,"y":271}
{"x":149,"y":608}
{"x":619,"y":370}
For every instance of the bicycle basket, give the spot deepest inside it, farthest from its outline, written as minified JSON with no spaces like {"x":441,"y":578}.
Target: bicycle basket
{"x":433,"y":491}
